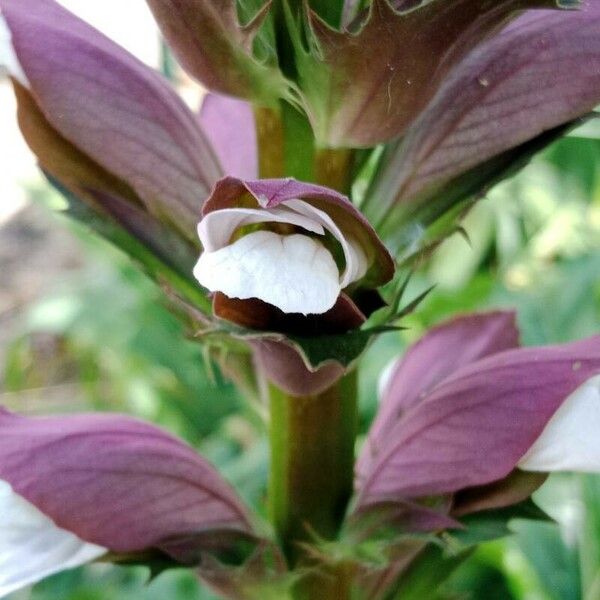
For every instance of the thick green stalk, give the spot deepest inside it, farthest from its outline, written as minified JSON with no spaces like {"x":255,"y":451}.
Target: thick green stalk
{"x":312,"y":461}
{"x":333,"y":168}
{"x":312,"y":437}
{"x":270,"y":139}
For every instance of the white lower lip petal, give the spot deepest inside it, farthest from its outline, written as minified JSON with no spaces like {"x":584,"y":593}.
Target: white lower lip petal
{"x":8,"y":56}
{"x":571,"y":439}
{"x":295,"y":273}
{"x":32,"y":546}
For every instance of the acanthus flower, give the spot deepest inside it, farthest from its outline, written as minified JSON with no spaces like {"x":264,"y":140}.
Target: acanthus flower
{"x":269,"y":239}
{"x":78,"y":489}
{"x":268,"y":256}
{"x":470,"y":423}
{"x":466,"y":406}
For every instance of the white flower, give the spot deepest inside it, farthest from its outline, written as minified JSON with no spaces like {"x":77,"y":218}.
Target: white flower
{"x":295,"y":272}
{"x":32,"y":546}
{"x":8,"y":57}
{"x":571,"y":439}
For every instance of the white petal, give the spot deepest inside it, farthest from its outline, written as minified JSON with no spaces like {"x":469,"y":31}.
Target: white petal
{"x":216,"y":229}
{"x":8,"y":57}
{"x":571,"y":439}
{"x":32,"y":547}
{"x":356,"y":261}
{"x":293,"y":272}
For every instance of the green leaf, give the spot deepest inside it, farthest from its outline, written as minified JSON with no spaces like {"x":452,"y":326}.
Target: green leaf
{"x":425,"y":575}
{"x":344,"y":348}
{"x":329,"y":10}
{"x":493,"y":524}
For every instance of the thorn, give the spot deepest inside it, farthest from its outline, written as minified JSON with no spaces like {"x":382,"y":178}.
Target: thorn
{"x":409,"y":308}
{"x":464,"y":234}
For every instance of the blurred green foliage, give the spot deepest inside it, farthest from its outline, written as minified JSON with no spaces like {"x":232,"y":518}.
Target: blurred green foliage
{"x":534,"y":244}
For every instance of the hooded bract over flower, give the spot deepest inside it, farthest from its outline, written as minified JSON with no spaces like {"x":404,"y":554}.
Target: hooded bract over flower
{"x":466,"y":406}
{"x":365,"y":80}
{"x":75,"y":489}
{"x":507,"y":99}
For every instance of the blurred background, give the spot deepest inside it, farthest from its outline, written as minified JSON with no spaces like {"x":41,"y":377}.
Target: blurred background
{"x":81,"y":329}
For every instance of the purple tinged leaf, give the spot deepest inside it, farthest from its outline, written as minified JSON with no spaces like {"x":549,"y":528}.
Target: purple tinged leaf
{"x":405,"y":228}
{"x":229,"y":125}
{"x":365,"y":87}
{"x":541,"y":72}
{"x":444,"y":349}
{"x":121,"y":484}
{"x":160,"y":240}
{"x":114,"y":109}
{"x":208,"y":40}
{"x":403,"y":516}
{"x":475,"y":426}
{"x":61,"y":159}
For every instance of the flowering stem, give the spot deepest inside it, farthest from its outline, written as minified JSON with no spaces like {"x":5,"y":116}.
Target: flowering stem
{"x":269,"y":134}
{"x":287,"y":149}
{"x":312,"y":460}
{"x":333,"y":168}
{"x":312,"y":437}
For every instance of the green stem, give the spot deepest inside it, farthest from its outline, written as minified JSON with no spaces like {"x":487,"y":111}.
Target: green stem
{"x":270,"y":140}
{"x":312,"y":461}
{"x":333,"y":168}
{"x":312,"y":437}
